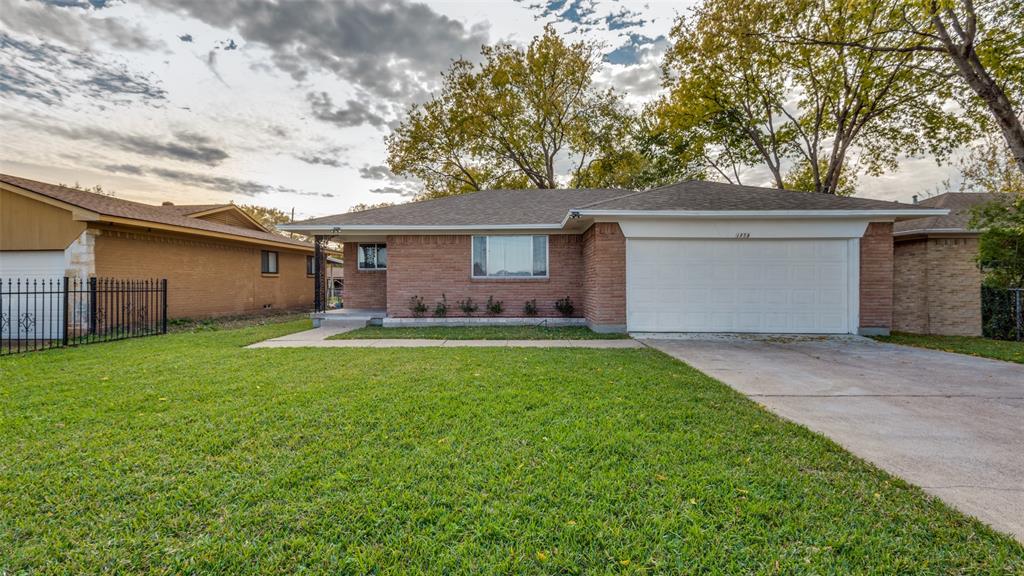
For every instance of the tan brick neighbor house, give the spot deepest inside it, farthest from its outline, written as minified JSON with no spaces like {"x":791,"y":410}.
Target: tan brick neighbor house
{"x":690,"y":257}
{"x":216,"y":258}
{"x":937,"y":286}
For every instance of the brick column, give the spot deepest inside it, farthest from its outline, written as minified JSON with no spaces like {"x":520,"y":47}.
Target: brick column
{"x":876,"y":279}
{"x":604,"y":277}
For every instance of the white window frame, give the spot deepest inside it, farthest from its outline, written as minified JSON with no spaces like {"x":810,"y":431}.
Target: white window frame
{"x":359,"y":250}
{"x":547,"y":258}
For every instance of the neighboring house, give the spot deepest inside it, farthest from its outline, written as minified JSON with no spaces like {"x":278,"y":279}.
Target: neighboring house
{"x":217,"y":259}
{"x":689,"y":257}
{"x":937,"y":280}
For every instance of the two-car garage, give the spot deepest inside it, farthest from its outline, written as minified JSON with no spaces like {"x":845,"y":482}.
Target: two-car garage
{"x":740,"y":285}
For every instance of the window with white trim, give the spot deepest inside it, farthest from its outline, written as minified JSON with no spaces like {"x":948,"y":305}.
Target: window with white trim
{"x":510,"y":256}
{"x":372,"y":256}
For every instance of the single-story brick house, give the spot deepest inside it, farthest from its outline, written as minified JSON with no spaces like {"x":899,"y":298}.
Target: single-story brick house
{"x":216,"y":258}
{"x":937,"y":284}
{"x":689,"y":257}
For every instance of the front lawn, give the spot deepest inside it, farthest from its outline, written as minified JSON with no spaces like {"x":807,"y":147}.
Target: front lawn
{"x":479,"y":333}
{"x":973,"y":345}
{"x":188,"y":454}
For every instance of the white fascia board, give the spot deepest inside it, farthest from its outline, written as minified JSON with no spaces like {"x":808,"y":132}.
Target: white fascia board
{"x":762,"y":214}
{"x":377,"y":229}
{"x":713,"y":214}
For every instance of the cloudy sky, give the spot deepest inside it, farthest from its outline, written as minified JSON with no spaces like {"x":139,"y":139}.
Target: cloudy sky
{"x":283,"y":104}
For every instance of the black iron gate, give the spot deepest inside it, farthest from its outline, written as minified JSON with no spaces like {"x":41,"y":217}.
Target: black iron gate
{"x":41,"y":313}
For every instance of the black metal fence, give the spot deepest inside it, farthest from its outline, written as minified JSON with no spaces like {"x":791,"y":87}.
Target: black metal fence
{"x":1002,"y":313}
{"x":41,"y":313}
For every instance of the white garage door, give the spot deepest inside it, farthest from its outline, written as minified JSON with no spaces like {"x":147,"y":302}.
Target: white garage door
{"x":33,"y":308}
{"x":31,"y":264}
{"x":767,"y":286}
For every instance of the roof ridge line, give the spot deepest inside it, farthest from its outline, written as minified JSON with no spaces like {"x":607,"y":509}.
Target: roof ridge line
{"x":631,"y":194}
{"x":414,"y":201}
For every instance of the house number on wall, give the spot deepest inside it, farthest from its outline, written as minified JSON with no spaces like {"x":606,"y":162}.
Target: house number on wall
{"x":743,"y":235}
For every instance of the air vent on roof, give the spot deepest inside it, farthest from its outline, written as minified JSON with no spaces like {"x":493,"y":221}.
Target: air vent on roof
{"x":168,"y":203}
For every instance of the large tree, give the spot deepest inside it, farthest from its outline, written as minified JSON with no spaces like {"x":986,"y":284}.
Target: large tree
{"x":974,"y":48}
{"x":742,"y":97}
{"x":269,"y":217}
{"x":989,"y":167}
{"x":647,"y":156}
{"x":1001,"y":245}
{"x":512,"y":121}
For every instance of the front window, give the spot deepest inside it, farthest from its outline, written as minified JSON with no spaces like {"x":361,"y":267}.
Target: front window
{"x":373,"y":256}
{"x":268,"y":262}
{"x":510,"y":256}
{"x":310,"y":270}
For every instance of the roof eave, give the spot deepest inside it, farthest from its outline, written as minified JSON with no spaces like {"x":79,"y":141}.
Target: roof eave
{"x":926,"y":231}
{"x":764,"y":214}
{"x":338,"y":229}
{"x":138,"y":223}
{"x":314,"y":229}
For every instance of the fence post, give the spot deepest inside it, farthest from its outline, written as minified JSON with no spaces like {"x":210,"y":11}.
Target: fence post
{"x":163,"y":291}
{"x":1017,"y":310}
{"x":92,"y":305}
{"x":64,"y":332}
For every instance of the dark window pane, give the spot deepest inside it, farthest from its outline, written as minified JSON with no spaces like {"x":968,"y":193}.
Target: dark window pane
{"x":367,"y":256}
{"x":479,"y":256}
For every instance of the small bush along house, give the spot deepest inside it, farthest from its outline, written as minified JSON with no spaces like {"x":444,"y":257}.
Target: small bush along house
{"x":690,"y":257}
{"x":216,"y":258}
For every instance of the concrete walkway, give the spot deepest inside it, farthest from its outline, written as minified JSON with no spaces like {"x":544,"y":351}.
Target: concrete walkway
{"x":949,"y":423}
{"x":316,"y":338}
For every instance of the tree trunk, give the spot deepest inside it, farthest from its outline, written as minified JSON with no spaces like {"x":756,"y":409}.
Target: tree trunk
{"x":978,"y":79}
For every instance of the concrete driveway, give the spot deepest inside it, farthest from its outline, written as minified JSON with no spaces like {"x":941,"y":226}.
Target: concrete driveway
{"x":949,"y":423}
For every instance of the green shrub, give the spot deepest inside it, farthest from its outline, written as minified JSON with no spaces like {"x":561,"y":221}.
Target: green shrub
{"x":565,"y":306}
{"x":441,"y":308}
{"x":417,"y":307}
{"x":467,"y":306}
{"x":530,"y":308}
{"x":494,"y":307}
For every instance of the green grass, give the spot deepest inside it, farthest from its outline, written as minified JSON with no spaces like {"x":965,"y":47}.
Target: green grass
{"x":479,"y":333}
{"x":188,"y":454}
{"x":975,"y":346}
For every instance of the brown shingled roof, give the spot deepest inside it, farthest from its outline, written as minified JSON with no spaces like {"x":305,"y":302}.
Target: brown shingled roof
{"x":488,"y":207}
{"x":186,"y":209}
{"x":700,"y":195}
{"x":116,"y":207}
{"x":550,"y":207}
{"x":958,"y":219}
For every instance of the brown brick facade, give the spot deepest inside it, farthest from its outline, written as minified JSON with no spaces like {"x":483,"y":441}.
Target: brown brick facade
{"x":589,"y":268}
{"x":910,"y":287}
{"x":427,"y":266}
{"x":937,"y":287}
{"x":876,"y":278}
{"x":363,"y":288}
{"x":205,"y":277}
{"x":604,"y":276}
